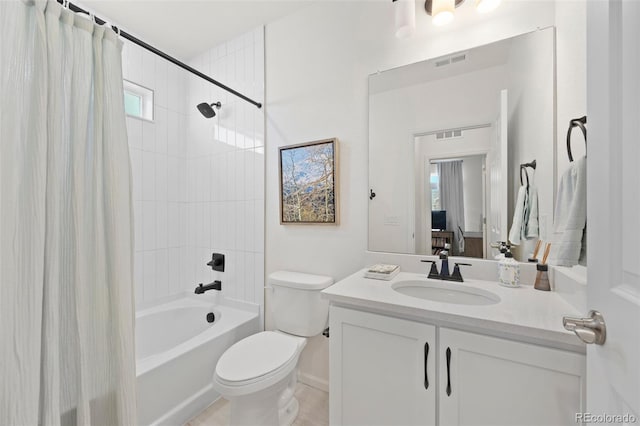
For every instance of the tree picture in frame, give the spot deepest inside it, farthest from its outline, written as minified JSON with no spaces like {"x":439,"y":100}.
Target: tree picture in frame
{"x":308,"y":177}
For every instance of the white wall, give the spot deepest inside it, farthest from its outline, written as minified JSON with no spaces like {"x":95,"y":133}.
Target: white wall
{"x":318,"y":61}
{"x":158,"y":159}
{"x":225,"y":170}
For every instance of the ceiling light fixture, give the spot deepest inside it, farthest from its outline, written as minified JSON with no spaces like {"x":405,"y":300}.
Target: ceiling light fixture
{"x":442,"y":11}
{"x":405,"y":17}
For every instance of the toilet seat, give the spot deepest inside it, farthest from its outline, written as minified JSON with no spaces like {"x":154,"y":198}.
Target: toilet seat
{"x":257,"y":362}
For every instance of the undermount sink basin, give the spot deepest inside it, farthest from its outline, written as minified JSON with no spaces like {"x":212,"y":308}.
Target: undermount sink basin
{"x":446,"y":292}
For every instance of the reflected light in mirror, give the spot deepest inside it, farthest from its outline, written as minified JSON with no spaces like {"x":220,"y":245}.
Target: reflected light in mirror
{"x":443,"y":11}
{"x":484,"y":6}
{"x":405,"y":17}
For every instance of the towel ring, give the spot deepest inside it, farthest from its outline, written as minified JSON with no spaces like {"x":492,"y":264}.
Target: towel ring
{"x":524,"y":166}
{"x":576,"y":122}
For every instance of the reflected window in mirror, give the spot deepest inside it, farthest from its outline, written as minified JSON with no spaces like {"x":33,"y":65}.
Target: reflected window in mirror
{"x":434,"y":180}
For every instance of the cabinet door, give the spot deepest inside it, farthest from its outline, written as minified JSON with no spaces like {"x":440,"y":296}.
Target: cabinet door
{"x":382,"y":370}
{"x":496,"y":382}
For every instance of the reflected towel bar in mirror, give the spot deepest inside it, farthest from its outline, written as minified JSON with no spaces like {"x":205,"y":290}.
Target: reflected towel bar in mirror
{"x":524,"y":166}
{"x":576,"y":122}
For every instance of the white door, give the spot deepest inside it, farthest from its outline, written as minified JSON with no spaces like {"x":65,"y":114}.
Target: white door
{"x":382,"y":370}
{"x":613,"y":204}
{"x":498,"y":175}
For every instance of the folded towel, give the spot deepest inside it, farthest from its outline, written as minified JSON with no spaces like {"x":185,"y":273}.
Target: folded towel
{"x":382,"y":268}
{"x":382,"y":271}
{"x":570,"y":216}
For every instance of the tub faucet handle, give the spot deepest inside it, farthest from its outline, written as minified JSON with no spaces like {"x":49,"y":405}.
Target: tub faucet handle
{"x":217,"y":262}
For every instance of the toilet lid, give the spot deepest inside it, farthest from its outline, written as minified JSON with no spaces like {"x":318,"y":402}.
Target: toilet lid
{"x":256,"y":356}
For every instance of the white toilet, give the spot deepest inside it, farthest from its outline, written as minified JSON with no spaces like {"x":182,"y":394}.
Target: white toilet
{"x":258,"y":374}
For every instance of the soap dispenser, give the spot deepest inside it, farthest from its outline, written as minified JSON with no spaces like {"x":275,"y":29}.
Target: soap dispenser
{"x":509,"y":270}
{"x":444,"y":257}
{"x":503,"y":246}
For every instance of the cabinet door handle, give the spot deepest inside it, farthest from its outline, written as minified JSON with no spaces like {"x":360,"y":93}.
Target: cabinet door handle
{"x":448,"y":371}
{"x":426,"y":358}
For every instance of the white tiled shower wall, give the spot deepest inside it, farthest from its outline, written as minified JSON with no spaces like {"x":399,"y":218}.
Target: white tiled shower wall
{"x":199,"y":183}
{"x":158,"y":156}
{"x":225,"y":163}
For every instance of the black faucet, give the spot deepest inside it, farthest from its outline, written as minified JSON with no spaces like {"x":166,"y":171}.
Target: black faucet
{"x":216,"y":285}
{"x":433,"y":272}
{"x":455,"y":275}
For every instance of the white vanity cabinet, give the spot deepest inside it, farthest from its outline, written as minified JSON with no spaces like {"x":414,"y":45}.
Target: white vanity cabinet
{"x":382,"y":370}
{"x":379,"y":366}
{"x":497,"y":382}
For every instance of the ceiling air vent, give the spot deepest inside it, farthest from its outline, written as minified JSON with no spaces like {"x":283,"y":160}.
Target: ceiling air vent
{"x":443,"y":62}
{"x":459,"y":58}
{"x":451,"y":60}
{"x":449,"y":134}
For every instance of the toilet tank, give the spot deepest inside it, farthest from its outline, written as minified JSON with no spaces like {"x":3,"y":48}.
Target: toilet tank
{"x":298,"y":307}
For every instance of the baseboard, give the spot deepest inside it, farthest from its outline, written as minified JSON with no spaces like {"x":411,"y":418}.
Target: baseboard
{"x":313,"y":381}
{"x":190,"y":408}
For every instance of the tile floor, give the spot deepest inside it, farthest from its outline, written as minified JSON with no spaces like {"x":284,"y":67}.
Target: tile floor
{"x":314,"y":410}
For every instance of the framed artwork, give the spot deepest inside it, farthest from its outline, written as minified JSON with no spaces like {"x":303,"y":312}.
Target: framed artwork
{"x":308,"y":183}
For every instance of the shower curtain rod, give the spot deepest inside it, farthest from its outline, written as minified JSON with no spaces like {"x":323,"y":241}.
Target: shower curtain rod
{"x":160,"y":53}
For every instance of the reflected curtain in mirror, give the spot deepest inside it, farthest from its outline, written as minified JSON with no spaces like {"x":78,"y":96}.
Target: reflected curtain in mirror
{"x":452,"y":200}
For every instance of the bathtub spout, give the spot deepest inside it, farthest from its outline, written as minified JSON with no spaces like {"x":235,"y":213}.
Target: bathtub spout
{"x":216,"y":285}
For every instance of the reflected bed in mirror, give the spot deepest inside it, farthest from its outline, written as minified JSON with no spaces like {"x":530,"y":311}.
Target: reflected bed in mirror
{"x":448,"y":134}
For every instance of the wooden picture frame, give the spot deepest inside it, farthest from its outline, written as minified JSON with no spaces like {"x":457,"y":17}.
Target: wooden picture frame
{"x":309,"y":183}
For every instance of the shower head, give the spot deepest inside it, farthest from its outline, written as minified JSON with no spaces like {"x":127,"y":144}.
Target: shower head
{"x":207,"y":109}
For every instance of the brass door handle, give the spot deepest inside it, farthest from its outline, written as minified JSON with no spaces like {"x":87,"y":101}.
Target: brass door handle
{"x":590,"y":330}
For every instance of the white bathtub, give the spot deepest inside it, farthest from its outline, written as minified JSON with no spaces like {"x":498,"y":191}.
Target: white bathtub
{"x":176,"y":354}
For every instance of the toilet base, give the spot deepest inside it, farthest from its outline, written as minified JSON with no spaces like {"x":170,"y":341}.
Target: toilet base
{"x":288,"y":405}
{"x":289,"y":413}
{"x":275,"y":407}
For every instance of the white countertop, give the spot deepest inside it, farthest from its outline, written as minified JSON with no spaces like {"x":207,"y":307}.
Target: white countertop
{"x":522,"y":313}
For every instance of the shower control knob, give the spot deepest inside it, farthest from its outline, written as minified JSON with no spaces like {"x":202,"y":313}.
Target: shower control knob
{"x":217,"y":262}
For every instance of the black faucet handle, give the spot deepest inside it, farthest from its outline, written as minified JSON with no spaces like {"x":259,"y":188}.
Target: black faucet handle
{"x":217,"y":262}
{"x":456,"y":275}
{"x":433,"y":272}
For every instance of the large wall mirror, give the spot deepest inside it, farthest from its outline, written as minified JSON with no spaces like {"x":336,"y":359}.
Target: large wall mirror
{"x":447,"y":138}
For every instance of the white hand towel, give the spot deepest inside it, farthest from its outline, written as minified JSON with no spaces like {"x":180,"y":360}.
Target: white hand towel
{"x":515,"y":234}
{"x":532,"y":229}
{"x":570,"y":215}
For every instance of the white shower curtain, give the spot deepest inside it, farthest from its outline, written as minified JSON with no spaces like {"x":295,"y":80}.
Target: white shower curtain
{"x":66,"y":299}
{"x":452,"y":200}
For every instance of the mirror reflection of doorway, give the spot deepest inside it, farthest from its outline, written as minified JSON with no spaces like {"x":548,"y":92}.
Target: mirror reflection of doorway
{"x":458,"y":205}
